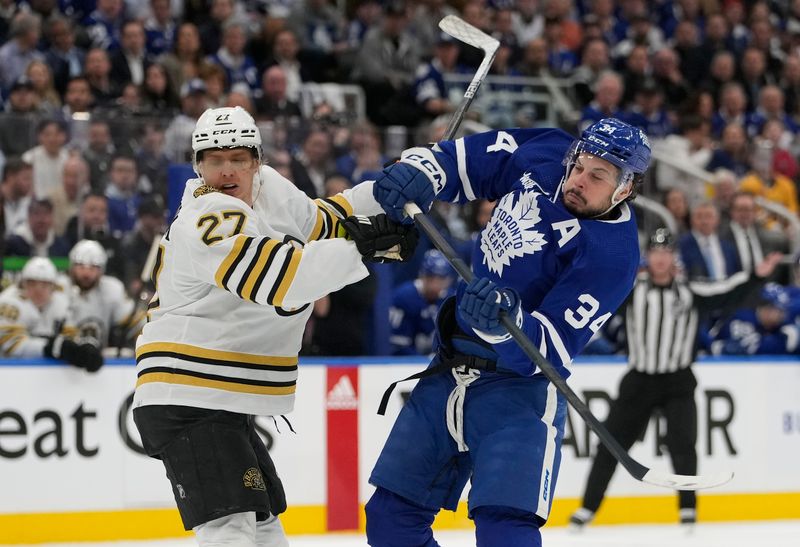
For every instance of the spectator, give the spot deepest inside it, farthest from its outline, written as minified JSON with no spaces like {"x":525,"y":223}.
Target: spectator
{"x":48,"y":157}
{"x":528,"y":21}
{"x":790,"y":83}
{"x":159,"y":27}
{"x":716,"y":37}
{"x":103,"y":313}
{"x":221,"y":11}
{"x":78,"y":99}
{"x":763,"y":181}
{"x":240,"y":68}
{"x":648,"y":112}
{"x":425,"y":21}
{"x":37,"y":237}
{"x":637,"y":70}
{"x":594,"y":61}
{"x":177,"y":138}
{"x":67,"y":198}
{"x":751,"y":240}
{"x":158,"y":97}
{"x":103,"y":26}
{"x":600,"y":15}
{"x":561,"y":59}
{"x":130,"y":61}
{"x":98,"y":153}
{"x":430,"y":91}
{"x":570,"y":32}
{"x":320,"y":28}
{"x":122,"y":193}
{"x":273,"y":104}
{"x":605,"y":104}
{"x":641,"y":32}
{"x":783,"y":161}
{"x":48,"y":99}
{"x":20,"y":50}
{"x":30,"y":313}
{"x":721,"y":73}
{"x":284,"y":51}
{"x":732,"y":153}
{"x":669,"y":77}
{"x":753,"y":75}
{"x":692,"y":59}
{"x":313,"y":164}
{"x":763,"y":330}
{"x":415,"y":304}
{"x":704,"y":254}
{"x":63,"y":56}
{"x":385,"y":67}
{"x":691,"y":147}
{"x":362,"y":158}
{"x":185,"y":61}
{"x":151,"y":161}
{"x":137,"y":244}
{"x":97,"y":71}
{"x":677,"y":204}
{"x":724,"y":185}
{"x":92,"y":223}
{"x":771,"y":107}
{"x":216,"y":82}
{"x":17,"y":132}
{"x":17,"y":192}
{"x":535,"y":62}
{"x":765,"y":37}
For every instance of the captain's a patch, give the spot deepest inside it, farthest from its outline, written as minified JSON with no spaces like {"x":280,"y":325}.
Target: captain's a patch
{"x":511,"y":233}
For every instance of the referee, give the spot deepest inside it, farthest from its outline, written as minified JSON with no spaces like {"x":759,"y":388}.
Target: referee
{"x":661,"y":318}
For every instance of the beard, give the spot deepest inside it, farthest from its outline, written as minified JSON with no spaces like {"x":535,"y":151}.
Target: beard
{"x":577,"y":205}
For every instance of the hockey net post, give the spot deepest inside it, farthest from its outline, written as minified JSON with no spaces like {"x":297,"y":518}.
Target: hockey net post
{"x":468,"y":34}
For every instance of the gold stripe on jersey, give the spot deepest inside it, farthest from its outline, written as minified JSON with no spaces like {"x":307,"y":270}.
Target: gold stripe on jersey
{"x":254,"y":275}
{"x":195,"y":381}
{"x":324,"y":225}
{"x":285,"y":277}
{"x":228,"y":265}
{"x":339,"y":203}
{"x":190,"y":353}
{"x":13,"y":346}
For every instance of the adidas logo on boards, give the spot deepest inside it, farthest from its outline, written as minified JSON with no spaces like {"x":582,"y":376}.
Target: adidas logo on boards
{"x":343,"y":396}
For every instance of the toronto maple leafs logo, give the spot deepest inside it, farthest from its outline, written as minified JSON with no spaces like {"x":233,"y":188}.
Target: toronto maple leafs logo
{"x":529,"y":184}
{"x":511,"y":232}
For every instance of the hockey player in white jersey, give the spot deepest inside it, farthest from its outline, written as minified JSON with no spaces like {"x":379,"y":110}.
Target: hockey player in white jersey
{"x":103,"y":313}
{"x":35,"y":322}
{"x":235,"y":277}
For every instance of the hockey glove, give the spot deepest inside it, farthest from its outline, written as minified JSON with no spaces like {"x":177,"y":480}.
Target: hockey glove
{"x":480,"y":306}
{"x":416,"y":177}
{"x":379,"y":239}
{"x":83,"y":355}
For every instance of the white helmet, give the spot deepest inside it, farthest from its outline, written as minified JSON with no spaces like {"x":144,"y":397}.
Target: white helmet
{"x":88,"y":253}
{"x":227,"y":127}
{"x":39,"y":268}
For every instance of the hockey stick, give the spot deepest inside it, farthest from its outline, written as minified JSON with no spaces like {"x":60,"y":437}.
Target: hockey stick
{"x":469,"y":34}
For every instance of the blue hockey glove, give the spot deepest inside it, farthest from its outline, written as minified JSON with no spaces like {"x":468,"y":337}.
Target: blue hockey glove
{"x":481,"y":303}
{"x":416,"y":177}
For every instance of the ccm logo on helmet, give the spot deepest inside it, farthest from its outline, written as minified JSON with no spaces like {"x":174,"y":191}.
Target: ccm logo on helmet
{"x":599,"y":141}
{"x":223,"y":131}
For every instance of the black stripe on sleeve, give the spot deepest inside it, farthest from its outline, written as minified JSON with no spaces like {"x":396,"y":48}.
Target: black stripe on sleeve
{"x":251,"y":266}
{"x":236,"y":262}
{"x":281,"y":274}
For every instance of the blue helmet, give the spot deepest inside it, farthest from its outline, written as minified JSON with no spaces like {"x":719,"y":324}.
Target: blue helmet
{"x":774,"y":295}
{"x":617,"y":142}
{"x":434,"y":263}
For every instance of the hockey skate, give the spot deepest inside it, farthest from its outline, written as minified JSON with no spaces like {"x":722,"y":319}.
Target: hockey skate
{"x":580,"y":519}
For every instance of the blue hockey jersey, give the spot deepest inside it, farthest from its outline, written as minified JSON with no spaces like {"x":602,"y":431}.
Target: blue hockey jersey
{"x":571,"y":273}
{"x":412,"y":319}
{"x":744,"y":334}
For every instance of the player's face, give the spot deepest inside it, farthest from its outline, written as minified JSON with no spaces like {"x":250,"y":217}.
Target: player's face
{"x":38,"y":292}
{"x":770,"y":317}
{"x":591,"y":183}
{"x":661,"y":262}
{"x":230,"y":171}
{"x":85,"y":276}
{"x":433,"y":286}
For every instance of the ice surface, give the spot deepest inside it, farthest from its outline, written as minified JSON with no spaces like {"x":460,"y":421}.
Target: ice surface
{"x":773,"y":534}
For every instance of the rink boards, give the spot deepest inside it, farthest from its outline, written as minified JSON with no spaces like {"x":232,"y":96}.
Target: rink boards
{"x":71,"y":466}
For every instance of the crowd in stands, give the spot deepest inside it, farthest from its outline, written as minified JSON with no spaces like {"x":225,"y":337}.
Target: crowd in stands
{"x":99,"y":98}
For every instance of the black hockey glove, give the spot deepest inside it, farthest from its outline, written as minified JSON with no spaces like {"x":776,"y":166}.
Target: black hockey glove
{"x":379,"y":239}
{"x":83,"y":355}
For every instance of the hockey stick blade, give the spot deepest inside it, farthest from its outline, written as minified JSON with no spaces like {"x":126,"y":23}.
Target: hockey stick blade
{"x":686,"y":482}
{"x":464,"y":32}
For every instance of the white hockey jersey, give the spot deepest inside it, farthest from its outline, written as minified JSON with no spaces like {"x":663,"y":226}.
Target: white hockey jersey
{"x":24,"y":329}
{"x":97,"y":311}
{"x":234,"y":288}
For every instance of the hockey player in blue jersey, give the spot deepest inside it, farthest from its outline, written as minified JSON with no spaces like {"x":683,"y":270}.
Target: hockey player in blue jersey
{"x":415,"y":303}
{"x":766,"y":330}
{"x":559,"y":255}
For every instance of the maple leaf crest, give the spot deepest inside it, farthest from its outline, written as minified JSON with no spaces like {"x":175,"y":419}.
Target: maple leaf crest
{"x":511,"y":232}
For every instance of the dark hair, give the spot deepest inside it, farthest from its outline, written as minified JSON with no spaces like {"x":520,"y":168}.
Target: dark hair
{"x":42,"y":203}
{"x":15,"y":165}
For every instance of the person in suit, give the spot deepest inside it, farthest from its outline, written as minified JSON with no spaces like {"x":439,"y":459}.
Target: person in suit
{"x":751,"y":240}
{"x":704,"y":254}
{"x":130,"y":62}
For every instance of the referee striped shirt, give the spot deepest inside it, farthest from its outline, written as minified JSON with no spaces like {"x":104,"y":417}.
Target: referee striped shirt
{"x":662,"y":322}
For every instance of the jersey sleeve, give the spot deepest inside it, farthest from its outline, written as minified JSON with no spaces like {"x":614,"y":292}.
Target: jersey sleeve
{"x":578,"y":305}
{"x":15,"y":337}
{"x":226,"y":250}
{"x":491,"y":164}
